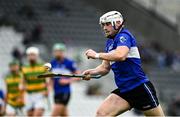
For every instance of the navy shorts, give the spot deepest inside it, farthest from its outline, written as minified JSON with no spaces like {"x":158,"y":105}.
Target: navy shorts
{"x":142,"y":97}
{"x":62,"y":98}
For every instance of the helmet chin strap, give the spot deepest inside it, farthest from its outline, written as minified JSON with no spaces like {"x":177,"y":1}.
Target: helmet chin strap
{"x":114,"y":25}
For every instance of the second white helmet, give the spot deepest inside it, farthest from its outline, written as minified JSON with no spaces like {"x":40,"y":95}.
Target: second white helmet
{"x":32,"y":50}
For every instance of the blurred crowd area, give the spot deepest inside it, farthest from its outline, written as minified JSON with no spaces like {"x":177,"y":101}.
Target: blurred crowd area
{"x":163,"y":8}
{"x":45,"y":22}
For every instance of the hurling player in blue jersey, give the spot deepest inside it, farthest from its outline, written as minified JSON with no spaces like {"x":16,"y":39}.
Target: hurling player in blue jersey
{"x":122,"y":56}
{"x":61,"y":64}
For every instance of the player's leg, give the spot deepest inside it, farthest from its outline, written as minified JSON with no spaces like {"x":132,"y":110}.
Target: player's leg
{"x":65,"y":112}
{"x":40,"y":104}
{"x":38,"y":112}
{"x":154,"y":112}
{"x":1,"y":111}
{"x":65,"y":103}
{"x":20,"y":111}
{"x":58,"y":110}
{"x":112,"y":106}
{"x":29,"y":105}
{"x":30,"y":112}
{"x":60,"y":106}
{"x":2,"y":107}
{"x":10,"y":111}
{"x":147,"y":100}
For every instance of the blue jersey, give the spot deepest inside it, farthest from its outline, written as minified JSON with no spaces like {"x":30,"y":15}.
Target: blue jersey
{"x":66,"y":66}
{"x":128,"y":74}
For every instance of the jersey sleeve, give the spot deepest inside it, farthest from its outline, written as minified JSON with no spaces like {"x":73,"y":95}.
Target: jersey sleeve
{"x":73,"y":66}
{"x":123,"y":40}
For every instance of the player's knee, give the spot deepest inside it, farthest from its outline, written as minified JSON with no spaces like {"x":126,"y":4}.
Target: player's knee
{"x":10,"y":114}
{"x":100,"y":113}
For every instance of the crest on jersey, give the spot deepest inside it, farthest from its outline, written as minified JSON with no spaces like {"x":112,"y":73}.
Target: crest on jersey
{"x":122,"y":39}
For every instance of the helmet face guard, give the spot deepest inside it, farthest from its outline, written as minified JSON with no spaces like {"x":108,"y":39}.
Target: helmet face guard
{"x":111,"y":17}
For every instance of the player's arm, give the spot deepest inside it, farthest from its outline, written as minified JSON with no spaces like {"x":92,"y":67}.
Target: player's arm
{"x":76,"y":72}
{"x":22,"y":86}
{"x":5,"y":94}
{"x":65,"y":81}
{"x":123,"y":43}
{"x":47,"y":83}
{"x":102,"y":69}
{"x":50,"y":85}
{"x":119,"y":54}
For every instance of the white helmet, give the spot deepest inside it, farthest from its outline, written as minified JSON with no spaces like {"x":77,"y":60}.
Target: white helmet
{"x":32,"y":50}
{"x":112,"y":17}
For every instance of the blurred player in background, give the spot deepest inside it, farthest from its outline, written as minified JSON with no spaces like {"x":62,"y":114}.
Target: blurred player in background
{"x":62,"y":90}
{"x":14,"y":95}
{"x":122,"y":56}
{"x":2,"y":103}
{"x":36,"y":88}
